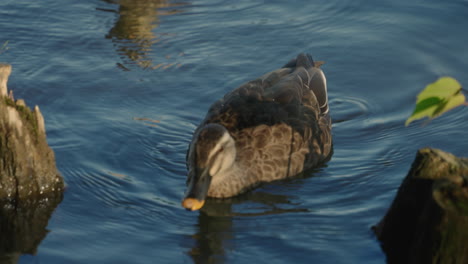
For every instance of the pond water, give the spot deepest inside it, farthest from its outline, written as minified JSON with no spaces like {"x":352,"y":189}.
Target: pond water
{"x":123,"y":84}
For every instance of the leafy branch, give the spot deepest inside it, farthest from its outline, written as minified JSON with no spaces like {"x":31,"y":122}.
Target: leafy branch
{"x":438,"y":98}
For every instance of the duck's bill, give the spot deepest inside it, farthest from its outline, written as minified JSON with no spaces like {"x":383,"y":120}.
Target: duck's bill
{"x":197,"y":189}
{"x":192,"y":204}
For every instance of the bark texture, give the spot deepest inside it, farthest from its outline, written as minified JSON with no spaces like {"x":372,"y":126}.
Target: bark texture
{"x":27,"y":164}
{"x":428,"y":220}
{"x":30,"y":185}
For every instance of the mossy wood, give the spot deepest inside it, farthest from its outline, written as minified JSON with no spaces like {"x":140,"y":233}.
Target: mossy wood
{"x":27,"y":164}
{"x":428,"y":220}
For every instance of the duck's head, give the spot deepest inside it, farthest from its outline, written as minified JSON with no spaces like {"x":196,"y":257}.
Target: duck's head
{"x":211,"y":154}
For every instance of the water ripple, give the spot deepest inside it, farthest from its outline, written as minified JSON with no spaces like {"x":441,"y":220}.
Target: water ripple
{"x":346,"y":108}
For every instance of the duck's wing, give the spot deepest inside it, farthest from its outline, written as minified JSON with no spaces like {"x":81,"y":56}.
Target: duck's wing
{"x":311,"y":77}
{"x":305,"y":77}
{"x":288,"y":101}
{"x":296,"y":93}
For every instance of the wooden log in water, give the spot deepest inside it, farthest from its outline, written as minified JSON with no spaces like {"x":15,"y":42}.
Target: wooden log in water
{"x":428,"y":220}
{"x":27,"y":164}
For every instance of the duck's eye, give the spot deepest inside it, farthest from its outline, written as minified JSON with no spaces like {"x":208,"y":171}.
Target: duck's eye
{"x":221,"y":149}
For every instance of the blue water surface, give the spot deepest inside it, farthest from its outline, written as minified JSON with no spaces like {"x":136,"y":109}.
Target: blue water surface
{"x":123,"y":84}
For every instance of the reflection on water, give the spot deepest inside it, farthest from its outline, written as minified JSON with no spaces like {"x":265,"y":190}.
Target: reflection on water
{"x":23,"y":227}
{"x":134,"y":31}
{"x":215,"y":222}
{"x":212,"y":238}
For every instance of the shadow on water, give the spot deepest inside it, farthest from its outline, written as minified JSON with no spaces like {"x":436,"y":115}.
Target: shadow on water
{"x":23,"y":227}
{"x":216,"y":222}
{"x":133,"y":33}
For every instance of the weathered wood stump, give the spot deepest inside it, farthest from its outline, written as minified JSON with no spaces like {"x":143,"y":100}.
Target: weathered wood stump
{"x":30,"y":185}
{"x":27,"y":164}
{"x":428,"y":220}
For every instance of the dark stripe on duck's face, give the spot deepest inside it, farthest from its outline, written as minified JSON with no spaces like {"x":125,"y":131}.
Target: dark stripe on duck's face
{"x":207,"y":139}
{"x":197,"y":189}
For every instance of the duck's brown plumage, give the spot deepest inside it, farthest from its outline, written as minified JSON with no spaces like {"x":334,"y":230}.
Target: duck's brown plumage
{"x":279,"y":122}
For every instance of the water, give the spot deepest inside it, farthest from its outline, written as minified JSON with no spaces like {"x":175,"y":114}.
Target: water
{"x":103,"y":73}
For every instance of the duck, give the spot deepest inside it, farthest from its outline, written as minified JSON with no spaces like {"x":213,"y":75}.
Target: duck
{"x":268,"y":129}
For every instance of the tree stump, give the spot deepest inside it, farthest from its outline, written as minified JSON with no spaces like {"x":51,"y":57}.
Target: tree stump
{"x":27,"y":164}
{"x":30,"y":185}
{"x":428,"y":220}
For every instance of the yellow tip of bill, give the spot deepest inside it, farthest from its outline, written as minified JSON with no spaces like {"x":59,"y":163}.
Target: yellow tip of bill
{"x":192,"y":204}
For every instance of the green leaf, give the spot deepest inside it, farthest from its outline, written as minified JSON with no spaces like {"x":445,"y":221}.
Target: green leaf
{"x":437,"y":98}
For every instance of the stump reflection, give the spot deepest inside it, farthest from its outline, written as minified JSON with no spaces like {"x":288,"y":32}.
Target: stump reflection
{"x":23,"y":225}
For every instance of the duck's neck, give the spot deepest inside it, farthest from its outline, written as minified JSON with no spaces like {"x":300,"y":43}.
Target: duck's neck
{"x":230,"y":182}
